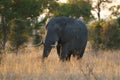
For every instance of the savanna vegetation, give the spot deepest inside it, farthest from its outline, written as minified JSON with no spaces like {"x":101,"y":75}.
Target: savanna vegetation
{"x":105,"y":34}
{"x":28,"y":66}
{"x":22,"y":28}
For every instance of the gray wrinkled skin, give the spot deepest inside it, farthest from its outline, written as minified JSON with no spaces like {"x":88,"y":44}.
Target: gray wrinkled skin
{"x":68,"y":35}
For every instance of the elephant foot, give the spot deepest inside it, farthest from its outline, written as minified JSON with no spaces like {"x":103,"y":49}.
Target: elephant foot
{"x":79,"y":57}
{"x":62,"y":59}
{"x":65,"y":59}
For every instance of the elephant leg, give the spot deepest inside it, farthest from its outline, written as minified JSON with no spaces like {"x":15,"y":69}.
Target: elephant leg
{"x":64,"y":53}
{"x":81,"y":53}
{"x":68,"y":57}
{"x":59,"y":50}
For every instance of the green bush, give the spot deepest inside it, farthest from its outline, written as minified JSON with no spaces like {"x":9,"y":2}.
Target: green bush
{"x":18,"y":34}
{"x":37,"y":39}
{"x":105,"y":34}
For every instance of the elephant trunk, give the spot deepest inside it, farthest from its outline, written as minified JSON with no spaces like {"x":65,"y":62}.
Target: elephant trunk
{"x":50,"y":41}
{"x":47,"y":49}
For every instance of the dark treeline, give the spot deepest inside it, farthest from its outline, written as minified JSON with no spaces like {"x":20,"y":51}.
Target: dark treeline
{"x":20,"y":24}
{"x":105,"y":34}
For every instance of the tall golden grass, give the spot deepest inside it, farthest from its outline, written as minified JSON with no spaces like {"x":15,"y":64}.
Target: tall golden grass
{"x":27,"y":65}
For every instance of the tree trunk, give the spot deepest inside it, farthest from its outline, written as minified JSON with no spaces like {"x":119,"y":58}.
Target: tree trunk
{"x":4,"y":32}
{"x":99,"y":9}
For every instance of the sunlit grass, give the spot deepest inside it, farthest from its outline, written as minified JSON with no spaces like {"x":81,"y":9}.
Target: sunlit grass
{"x":27,"y":65}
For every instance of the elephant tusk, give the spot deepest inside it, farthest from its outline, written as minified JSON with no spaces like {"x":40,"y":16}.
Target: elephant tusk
{"x":54,"y":45}
{"x":39,"y":44}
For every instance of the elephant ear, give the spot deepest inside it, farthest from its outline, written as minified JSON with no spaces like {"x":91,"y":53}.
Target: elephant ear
{"x":61,"y":25}
{"x":50,"y":23}
{"x":57,"y":27}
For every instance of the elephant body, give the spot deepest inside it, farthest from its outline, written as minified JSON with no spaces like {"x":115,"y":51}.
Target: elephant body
{"x":68,"y":35}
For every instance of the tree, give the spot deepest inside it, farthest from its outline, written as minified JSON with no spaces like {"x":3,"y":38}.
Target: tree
{"x":27,"y":10}
{"x":75,"y":9}
{"x":18,"y":34}
{"x":5,"y":15}
{"x":99,"y":4}
{"x":95,"y":30}
{"x":110,"y":34}
{"x":38,"y":31}
{"x":105,"y":34}
{"x":115,"y":11}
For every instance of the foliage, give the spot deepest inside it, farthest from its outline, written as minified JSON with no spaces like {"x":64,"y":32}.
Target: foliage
{"x":13,"y":11}
{"x":18,"y":33}
{"x":38,"y":30}
{"x":27,"y":10}
{"x":115,"y":11}
{"x":94,"y":36}
{"x":99,"y":5}
{"x":78,"y":9}
{"x":118,"y":21}
{"x":37,"y":39}
{"x":105,"y":34}
{"x":5,"y":16}
{"x":5,"y":9}
{"x":0,"y":40}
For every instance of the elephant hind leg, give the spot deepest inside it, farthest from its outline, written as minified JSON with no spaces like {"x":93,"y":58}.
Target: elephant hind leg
{"x":81,"y":53}
{"x":65,"y":56}
{"x":68,"y":56}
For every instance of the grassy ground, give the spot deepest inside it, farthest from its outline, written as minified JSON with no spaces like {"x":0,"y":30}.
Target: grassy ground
{"x":27,"y":65}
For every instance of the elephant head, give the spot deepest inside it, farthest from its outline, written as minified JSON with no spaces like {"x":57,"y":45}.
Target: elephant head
{"x":53,"y":35}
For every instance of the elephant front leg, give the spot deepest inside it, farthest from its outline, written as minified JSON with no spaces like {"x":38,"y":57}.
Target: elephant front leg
{"x":64,"y":54}
{"x":59,"y":50}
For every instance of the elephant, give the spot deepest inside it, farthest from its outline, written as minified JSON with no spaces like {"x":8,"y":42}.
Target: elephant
{"x":68,"y":35}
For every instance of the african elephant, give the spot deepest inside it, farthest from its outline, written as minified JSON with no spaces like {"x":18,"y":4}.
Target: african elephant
{"x":68,"y":35}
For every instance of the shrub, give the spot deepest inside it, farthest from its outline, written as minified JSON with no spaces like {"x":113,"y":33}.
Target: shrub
{"x":105,"y":34}
{"x":18,"y":34}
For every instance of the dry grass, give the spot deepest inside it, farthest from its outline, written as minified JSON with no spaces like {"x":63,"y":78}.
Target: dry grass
{"x":27,"y":65}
